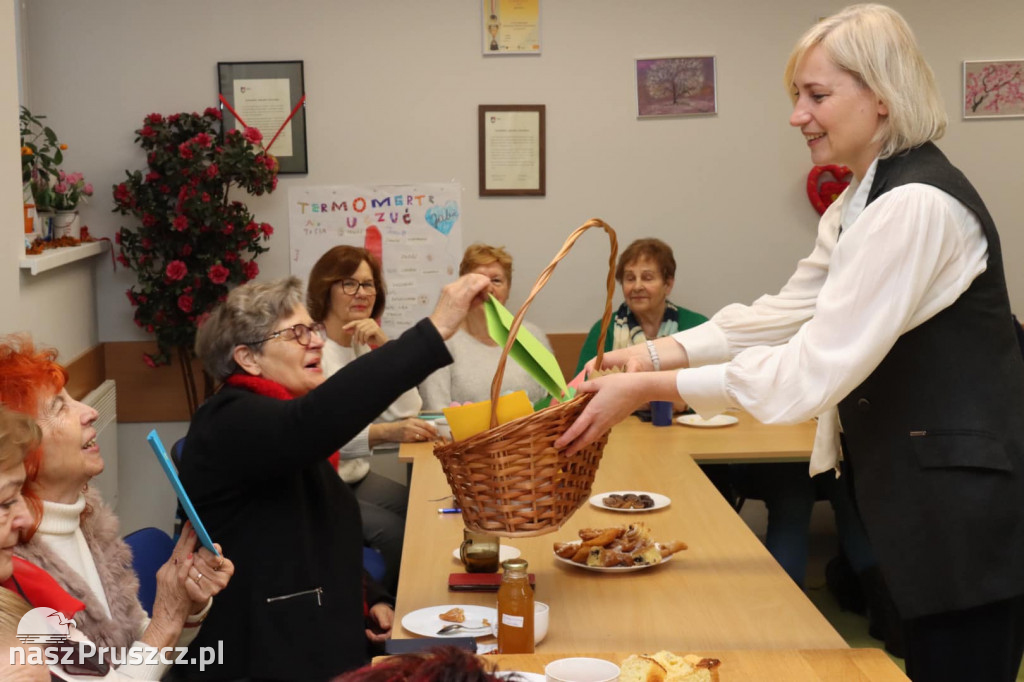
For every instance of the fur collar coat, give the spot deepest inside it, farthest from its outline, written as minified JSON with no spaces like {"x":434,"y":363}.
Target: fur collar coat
{"x":113,"y":560}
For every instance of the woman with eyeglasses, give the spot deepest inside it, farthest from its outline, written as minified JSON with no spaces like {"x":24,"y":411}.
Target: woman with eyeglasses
{"x":468,"y":378}
{"x":346,"y":293}
{"x":256,"y":465}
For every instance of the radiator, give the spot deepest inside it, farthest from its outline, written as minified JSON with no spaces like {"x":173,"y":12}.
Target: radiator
{"x":104,"y":400}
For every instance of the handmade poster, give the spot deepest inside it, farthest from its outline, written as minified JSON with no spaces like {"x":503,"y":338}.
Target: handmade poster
{"x":264,"y":104}
{"x":415,"y":230}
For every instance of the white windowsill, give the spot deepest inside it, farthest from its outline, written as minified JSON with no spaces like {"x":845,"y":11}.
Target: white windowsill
{"x":55,"y":258}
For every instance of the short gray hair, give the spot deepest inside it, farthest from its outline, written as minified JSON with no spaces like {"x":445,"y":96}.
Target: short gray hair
{"x":874,"y":44}
{"x":250,"y":312}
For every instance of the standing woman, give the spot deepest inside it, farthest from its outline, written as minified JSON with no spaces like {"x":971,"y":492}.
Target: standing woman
{"x":346,"y":293}
{"x":897,"y":326}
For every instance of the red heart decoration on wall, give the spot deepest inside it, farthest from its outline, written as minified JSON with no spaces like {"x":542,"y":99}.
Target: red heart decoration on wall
{"x":825,"y":184}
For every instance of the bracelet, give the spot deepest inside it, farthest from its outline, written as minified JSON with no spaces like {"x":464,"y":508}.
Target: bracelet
{"x":655,"y":360}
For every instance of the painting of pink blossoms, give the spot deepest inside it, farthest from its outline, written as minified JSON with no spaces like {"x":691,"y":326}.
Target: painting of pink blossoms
{"x":993,"y":89}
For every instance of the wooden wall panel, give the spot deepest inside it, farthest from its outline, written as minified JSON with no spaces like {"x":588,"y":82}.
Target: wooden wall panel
{"x":146,"y":394}
{"x":567,"y":351}
{"x":86,"y":372}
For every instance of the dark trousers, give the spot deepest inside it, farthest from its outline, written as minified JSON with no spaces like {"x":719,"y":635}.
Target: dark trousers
{"x":984,"y":643}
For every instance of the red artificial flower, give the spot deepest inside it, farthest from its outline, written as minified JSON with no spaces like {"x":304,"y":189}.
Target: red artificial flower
{"x":230,"y":257}
{"x":176,"y":270}
{"x":152,"y":176}
{"x":267,"y":229}
{"x":186,"y":250}
{"x":148,"y":359}
{"x":250,"y":270}
{"x":211,"y":171}
{"x":147,"y":132}
{"x":205,"y":197}
{"x":212,"y":112}
{"x":180,"y":223}
{"x":228,"y":228}
{"x":149,"y":220}
{"x":154,"y":119}
{"x":123,"y":260}
{"x":131,"y":297}
{"x":203,"y":140}
{"x":147,"y":243}
{"x":253,"y":135}
{"x":165,"y":189}
{"x":185,"y":150}
{"x":173,"y":118}
{"x":122,"y":194}
{"x":117,"y":237}
{"x":219,"y":274}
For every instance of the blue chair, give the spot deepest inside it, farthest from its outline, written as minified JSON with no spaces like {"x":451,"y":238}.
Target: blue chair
{"x":151,"y":548}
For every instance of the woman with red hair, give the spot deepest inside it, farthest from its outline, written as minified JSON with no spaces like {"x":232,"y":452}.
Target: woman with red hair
{"x":75,"y":537}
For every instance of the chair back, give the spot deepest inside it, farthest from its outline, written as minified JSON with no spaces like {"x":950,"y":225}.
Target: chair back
{"x":151,"y":548}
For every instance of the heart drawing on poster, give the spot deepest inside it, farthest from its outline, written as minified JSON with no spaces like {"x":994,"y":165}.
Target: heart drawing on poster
{"x":442,"y":218}
{"x":825,"y":184}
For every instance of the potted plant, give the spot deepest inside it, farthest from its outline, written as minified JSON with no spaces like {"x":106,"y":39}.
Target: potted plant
{"x":192,"y":241}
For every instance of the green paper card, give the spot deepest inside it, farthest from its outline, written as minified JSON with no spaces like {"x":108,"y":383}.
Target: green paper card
{"x":527,"y":351}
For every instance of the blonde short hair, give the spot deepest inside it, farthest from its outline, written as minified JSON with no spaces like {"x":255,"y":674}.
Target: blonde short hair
{"x":19,"y":435}
{"x":874,"y":44}
{"x":483,"y":254}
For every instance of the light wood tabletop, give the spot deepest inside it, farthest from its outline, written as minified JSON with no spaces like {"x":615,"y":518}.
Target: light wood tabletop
{"x":746,"y":441}
{"x":807,"y":665}
{"x":725,"y":592}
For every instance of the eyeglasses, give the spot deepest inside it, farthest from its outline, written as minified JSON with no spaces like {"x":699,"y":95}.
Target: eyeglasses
{"x":302,"y":333}
{"x":351,"y":286}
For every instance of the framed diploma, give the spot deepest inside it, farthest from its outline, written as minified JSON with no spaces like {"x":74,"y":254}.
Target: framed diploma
{"x":268,"y":96}
{"x":511,"y":149}
{"x":511,"y":27}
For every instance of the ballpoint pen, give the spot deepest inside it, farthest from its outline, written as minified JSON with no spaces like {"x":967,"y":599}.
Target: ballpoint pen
{"x":449,"y":510}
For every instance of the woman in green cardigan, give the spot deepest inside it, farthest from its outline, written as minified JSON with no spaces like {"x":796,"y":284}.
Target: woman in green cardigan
{"x":646,"y":272}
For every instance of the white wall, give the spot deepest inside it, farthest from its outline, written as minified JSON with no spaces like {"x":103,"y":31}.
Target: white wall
{"x":392,"y":94}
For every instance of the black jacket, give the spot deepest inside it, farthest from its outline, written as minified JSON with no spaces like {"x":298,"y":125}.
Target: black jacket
{"x":256,"y":469}
{"x":936,"y":433}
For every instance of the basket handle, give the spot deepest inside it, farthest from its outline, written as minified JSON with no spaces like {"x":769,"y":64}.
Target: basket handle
{"x":499,"y":374}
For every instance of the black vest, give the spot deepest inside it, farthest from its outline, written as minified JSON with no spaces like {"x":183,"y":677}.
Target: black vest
{"x":936,"y":433}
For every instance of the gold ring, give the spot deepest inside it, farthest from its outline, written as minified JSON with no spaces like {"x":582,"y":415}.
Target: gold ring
{"x":198,"y":577}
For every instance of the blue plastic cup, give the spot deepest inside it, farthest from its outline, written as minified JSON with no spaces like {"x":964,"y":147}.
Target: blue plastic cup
{"x":661,"y":412}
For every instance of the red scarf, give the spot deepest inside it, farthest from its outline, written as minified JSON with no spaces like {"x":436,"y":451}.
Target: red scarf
{"x":270,"y":389}
{"x":40,"y":589}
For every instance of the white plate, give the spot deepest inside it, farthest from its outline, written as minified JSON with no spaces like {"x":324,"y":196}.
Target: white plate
{"x":660,"y":501}
{"x":613,"y":569}
{"x":520,"y":675}
{"x":427,"y":621}
{"x":504,"y":554}
{"x":714,"y":422}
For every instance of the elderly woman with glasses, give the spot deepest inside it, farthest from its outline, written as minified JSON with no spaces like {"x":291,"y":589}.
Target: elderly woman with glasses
{"x":256,"y":464}
{"x":469,"y":378}
{"x":346,"y":293}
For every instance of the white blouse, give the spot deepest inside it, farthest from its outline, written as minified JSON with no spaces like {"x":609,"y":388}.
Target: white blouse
{"x":794,"y":355}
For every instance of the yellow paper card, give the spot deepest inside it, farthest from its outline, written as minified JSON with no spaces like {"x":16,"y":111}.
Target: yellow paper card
{"x":469,"y":420}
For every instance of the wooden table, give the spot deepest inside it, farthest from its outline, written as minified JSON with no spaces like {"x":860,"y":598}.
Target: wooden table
{"x":747,"y":441}
{"x":724,"y":593}
{"x":807,"y":665}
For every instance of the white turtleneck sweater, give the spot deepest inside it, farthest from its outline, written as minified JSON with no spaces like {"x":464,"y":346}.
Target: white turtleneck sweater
{"x":60,"y":528}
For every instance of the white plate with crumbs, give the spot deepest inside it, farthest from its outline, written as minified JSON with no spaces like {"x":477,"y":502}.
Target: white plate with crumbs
{"x":715,"y":422}
{"x":657,"y":501}
{"x":427,"y":621}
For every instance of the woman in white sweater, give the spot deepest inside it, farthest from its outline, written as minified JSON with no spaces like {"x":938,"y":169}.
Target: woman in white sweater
{"x":347,"y":294}
{"x":476,"y":355}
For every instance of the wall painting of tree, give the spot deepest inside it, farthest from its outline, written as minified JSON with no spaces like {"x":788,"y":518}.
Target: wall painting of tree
{"x":676,"y":86}
{"x":994,"y":89}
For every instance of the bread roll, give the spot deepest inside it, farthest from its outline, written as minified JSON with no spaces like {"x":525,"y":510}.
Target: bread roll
{"x":665,"y":666}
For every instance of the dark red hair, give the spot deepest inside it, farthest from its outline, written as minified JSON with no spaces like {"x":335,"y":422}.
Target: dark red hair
{"x":439,"y":664}
{"x":26,"y":374}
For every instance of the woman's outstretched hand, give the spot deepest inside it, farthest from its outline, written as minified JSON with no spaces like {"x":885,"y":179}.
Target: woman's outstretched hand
{"x":616,"y":397}
{"x":456,"y":300}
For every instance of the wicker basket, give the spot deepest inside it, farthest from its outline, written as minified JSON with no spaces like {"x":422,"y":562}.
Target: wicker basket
{"x":510,"y":480}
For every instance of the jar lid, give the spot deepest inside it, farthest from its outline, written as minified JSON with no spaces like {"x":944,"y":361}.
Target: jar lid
{"x":514,"y":564}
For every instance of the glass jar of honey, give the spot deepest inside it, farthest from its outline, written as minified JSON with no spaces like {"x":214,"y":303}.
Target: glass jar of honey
{"x":515,"y":609}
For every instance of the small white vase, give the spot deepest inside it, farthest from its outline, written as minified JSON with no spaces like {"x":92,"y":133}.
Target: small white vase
{"x":65,"y":224}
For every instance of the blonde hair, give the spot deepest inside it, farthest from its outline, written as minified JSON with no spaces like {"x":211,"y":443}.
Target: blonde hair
{"x":19,"y":435}
{"x":874,"y":44}
{"x":482,"y":254}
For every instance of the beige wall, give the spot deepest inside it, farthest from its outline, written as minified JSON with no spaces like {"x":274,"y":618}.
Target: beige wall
{"x":393,"y":89}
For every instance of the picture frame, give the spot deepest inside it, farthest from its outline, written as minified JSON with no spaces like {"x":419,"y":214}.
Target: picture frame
{"x":993,"y":89}
{"x":676,"y":86}
{"x":268,"y":96}
{"x":512,"y":149}
{"x":510,"y":27}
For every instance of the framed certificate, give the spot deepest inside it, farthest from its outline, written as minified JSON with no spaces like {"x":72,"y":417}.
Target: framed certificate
{"x":268,"y":96}
{"x":511,"y":27}
{"x":511,"y":149}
